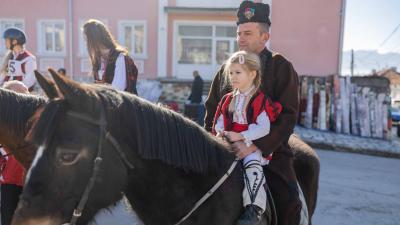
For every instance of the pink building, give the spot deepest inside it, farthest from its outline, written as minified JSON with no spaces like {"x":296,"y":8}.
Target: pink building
{"x":171,"y":38}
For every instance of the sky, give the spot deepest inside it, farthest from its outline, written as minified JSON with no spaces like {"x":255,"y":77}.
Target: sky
{"x":369,"y":22}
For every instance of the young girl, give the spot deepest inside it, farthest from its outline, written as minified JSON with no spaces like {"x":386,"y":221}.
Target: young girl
{"x":19,"y":64}
{"x":245,"y":115}
{"x":110,"y":62}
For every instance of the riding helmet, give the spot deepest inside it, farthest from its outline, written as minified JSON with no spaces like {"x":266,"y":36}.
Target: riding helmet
{"x":15,"y":34}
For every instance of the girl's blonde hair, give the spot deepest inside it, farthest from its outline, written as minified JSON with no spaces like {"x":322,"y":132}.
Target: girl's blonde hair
{"x":98,"y":36}
{"x":251,"y":62}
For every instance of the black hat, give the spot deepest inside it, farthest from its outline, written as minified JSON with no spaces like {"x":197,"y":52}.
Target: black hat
{"x":15,"y":34}
{"x":250,"y":11}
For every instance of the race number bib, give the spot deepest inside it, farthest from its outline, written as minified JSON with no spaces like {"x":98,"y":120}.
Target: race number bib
{"x":15,"y":68}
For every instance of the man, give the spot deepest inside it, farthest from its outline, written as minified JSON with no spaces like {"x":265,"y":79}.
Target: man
{"x":62,"y":71}
{"x":280,"y":83}
{"x":197,"y":89}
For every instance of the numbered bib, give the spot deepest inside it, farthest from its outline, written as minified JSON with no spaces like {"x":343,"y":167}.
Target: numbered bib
{"x":15,"y":68}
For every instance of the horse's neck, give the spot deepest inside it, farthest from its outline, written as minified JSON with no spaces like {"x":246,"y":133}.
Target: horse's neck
{"x":7,"y":135}
{"x":160,"y":193}
{"x":12,"y":135}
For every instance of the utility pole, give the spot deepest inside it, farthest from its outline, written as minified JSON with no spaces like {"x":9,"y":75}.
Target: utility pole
{"x":352,"y":63}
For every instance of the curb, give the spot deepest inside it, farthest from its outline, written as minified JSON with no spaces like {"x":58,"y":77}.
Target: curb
{"x":340,"y":148}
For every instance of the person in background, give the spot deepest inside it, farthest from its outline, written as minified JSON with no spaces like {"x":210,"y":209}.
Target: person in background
{"x":111,"y":62}
{"x":196,"y":94}
{"x":19,"y":63}
{"x":62,"y":71}
{"x":12,"y":173}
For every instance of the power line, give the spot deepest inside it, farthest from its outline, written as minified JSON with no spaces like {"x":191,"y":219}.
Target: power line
{"x":390,"y":35}
{"x":386,"y":39}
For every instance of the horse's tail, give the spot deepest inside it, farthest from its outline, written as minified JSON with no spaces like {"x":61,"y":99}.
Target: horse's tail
{"x":307,"y":167}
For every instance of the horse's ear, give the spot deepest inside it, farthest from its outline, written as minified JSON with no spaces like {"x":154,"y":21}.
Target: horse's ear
{"x":48,"y":86}
{"x":80,"y":96}
{"x":72,"y":91}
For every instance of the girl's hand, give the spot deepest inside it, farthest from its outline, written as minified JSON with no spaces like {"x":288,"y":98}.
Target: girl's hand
{"x":242,"y":150}
{"x":233,"y":136}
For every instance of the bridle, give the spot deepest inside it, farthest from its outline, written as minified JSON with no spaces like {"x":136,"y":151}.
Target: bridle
{"x":104,"y":135}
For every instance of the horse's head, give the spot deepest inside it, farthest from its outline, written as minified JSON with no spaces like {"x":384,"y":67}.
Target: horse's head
{"x":78,"y":165}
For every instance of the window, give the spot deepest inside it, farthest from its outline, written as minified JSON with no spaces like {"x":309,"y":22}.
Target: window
{"x":225,"y":43}
{"x":133,"y":36}
{"x":52,"y":37}
{"x":196,"y":44}
{"x":5,"y":24}
{"x":201,"y":46}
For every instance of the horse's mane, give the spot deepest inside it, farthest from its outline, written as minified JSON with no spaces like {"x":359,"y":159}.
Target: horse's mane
{"x":16,"y":109}
{"x":162,"y":134}
{"x":159,"y":133}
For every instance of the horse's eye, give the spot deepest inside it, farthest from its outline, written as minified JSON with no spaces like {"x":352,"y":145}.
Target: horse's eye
{"x":68,"y":158}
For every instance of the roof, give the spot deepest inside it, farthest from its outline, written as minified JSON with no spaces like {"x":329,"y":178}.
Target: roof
{"x":391,"y":74}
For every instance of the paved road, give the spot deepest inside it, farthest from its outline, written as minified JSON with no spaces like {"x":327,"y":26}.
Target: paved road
{"x":354,"y":189}
{"x":358,"y":189}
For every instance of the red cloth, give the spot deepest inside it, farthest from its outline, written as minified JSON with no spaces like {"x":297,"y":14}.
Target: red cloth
{"x":12,"y":172}
{"x":258,"y":103}
{"x":236,"y":127}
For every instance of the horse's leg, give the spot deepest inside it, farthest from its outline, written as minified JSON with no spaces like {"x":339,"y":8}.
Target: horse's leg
{"x":306,"y":165}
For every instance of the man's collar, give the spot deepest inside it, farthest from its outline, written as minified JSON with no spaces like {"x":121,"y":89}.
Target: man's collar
{"x":264,"y":52}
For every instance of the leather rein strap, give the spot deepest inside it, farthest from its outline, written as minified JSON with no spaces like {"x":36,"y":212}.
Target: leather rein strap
{"x":104,"y":135}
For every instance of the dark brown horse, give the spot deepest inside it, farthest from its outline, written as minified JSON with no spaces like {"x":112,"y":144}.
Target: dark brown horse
{"x":175,"y":162}
{"x":16,"y":111}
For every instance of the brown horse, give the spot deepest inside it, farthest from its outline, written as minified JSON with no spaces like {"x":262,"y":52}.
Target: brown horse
{"x":15,"y":113}
{"x":140,"y":129}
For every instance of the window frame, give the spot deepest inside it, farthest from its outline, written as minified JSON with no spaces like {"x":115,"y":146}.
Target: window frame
{"x":132,"y":23}
{"x":214,"y":24}
{"x":41,"y":38}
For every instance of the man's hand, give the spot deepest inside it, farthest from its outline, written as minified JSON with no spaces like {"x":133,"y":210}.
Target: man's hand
{"x":233,"y":136}
{"x":242,"y":150}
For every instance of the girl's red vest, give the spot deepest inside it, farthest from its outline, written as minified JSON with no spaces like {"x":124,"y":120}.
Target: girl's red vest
{"x":258,"y":103}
